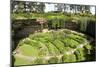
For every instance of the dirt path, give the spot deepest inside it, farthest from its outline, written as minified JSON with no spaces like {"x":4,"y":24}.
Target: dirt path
{"x":73,"y":50}
{"x":29,"y":58}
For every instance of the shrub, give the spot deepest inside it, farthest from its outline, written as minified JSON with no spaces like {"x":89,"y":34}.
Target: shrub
{"x":88,"y":46}
{"x":52,"y":49}
{"x":69,"y":58}
{"x":53,"y":60}
{"x":40,"y":61}
{"x":59,"y":45}
{"x":77,"y":38}
{"x":70,"y":43}
{"x":80,"y":54}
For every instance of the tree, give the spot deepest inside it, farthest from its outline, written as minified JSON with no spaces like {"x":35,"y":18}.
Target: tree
{"x":26,"y":6}
{"x":72,"y":8}
{"x":64,"y":7}
{"x":59,"y":7}
{"x":87,"y":8}
{"x":41,"y":7}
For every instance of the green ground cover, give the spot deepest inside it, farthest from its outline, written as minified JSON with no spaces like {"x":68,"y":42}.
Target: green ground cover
{"x":47,"y":48}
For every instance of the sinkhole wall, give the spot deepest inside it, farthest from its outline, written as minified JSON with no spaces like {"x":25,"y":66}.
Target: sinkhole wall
{"x":82,"y":24}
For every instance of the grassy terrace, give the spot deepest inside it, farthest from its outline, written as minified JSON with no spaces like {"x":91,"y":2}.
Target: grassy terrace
{"x":53,"y":47}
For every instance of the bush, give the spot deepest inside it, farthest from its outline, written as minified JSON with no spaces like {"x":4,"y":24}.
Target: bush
{"x":69,"y":58}
{"x":53,"y":60}
{"x":33,"y":43}
{"x":80,"y":55}
{"x":52,"y":49}
{"x":59,"y":45}
{"x":88,"y":46}
{"x":70,"y":43}
{"x":40,"y":61}
{"x":77,"y":38}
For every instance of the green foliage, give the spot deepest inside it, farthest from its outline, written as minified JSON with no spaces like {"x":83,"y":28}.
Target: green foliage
{"x":59,"y":45}
{"x":22,"y":61}
{"x":59,"y":20}
{"x":77,"y":38}
{"x":40,"y":61}
{"x":83,"y":23}
{"x":22,"y":16}
{"x":53,"y":45}
{"x":52,"y":49}
{"x":80,"y":55}
{"x":69,"y":58}
{"x":29,"y":50}
{"x":59,"y":35}
{"x":72,"y":43}
{"x":33,"y":43}
{"x":88,"y":46}
{"x":53,"y":60}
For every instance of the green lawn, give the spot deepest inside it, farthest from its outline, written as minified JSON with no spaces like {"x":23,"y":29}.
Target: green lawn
{"x":28,"y":50}
{"x":21,"y":61}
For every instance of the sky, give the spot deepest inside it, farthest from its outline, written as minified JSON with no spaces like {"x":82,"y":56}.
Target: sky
{"x":49,"y":7}
{"x":92,"y":10}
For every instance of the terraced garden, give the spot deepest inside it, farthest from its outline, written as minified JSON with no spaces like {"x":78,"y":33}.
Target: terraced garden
{"x":40,"y":34}
{"x":60,"y":46}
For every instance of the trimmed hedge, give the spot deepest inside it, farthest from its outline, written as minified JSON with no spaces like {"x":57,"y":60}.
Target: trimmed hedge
{"x":69,"y":58}
{"x":54,"y":47}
